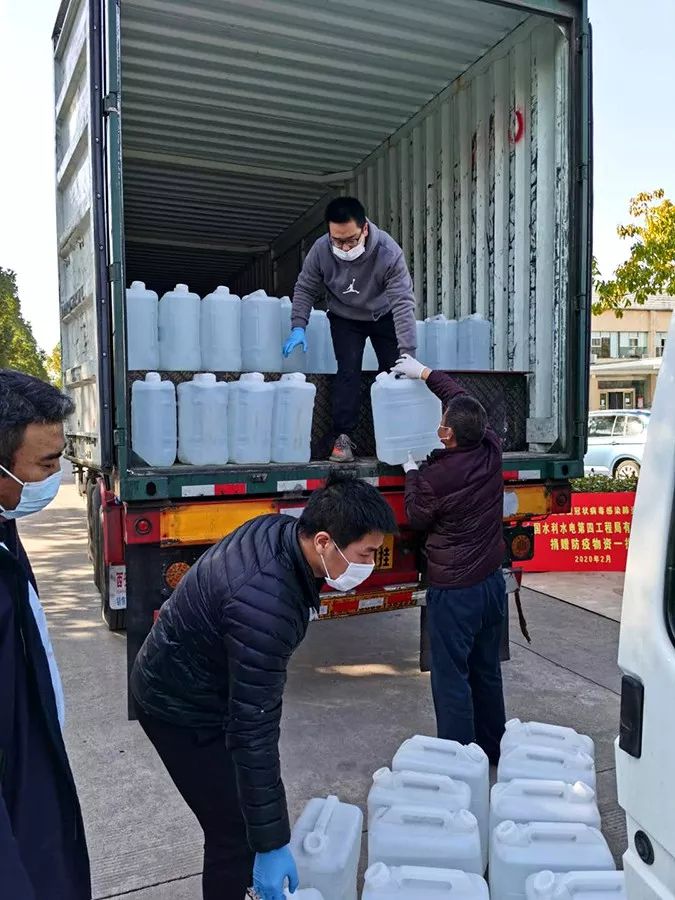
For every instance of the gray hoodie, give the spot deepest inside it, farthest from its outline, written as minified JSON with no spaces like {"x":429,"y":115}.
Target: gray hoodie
{"x":376,"y":283}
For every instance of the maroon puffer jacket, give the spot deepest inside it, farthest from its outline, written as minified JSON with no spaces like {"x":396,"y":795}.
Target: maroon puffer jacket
{"x":457,"y":496}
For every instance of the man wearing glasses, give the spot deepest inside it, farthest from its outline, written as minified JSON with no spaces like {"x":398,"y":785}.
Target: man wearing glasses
{"x":370,"y":295}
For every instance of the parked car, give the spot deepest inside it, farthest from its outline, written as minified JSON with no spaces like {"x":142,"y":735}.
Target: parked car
{"x":616,"y":442}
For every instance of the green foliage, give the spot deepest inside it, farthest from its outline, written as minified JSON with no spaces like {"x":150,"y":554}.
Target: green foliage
{"x":53,"y":366}
{"x":650,"y":268}
{"x":18,"y":348}
{"x":603,"y":484}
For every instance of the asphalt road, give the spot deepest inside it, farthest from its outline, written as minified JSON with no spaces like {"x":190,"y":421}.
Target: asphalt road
{"x":354,"y":694}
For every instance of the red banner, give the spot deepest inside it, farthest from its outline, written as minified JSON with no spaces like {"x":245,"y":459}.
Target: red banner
{"x":592,"y":538}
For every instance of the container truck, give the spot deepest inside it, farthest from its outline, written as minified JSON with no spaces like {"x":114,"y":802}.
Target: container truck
{"x":199,"y":143}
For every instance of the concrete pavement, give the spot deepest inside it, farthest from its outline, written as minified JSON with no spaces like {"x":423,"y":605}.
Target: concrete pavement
{"x":354,"y":694}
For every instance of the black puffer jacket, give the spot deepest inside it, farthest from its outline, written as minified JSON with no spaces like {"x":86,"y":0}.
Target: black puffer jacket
{"x":216,"y":658}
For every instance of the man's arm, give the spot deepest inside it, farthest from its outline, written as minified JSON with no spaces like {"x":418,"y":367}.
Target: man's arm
{"x":399,"y":291}
{"x":445,"y":387}
{"x":14,"y":881}
{"x":307,"y":289}
{"x":421,"y":503}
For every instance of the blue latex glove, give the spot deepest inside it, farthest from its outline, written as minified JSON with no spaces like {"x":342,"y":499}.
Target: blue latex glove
{"x":295,"y":339}
{"x":271,"y":870}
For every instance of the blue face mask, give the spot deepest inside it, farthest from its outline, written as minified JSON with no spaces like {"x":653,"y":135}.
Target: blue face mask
{"x":35,"y":495}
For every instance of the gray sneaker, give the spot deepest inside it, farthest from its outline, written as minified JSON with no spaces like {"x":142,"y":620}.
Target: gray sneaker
{"x":343,"y":450}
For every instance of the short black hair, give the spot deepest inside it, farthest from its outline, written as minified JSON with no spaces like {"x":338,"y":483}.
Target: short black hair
{"x":348,"y":508}
{"x":467,"y":418}
{"x":344,"y":209}
{"x":26,"y":400}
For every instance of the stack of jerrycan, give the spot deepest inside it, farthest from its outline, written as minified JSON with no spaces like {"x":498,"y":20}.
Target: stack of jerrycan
{"x":544,"y":817}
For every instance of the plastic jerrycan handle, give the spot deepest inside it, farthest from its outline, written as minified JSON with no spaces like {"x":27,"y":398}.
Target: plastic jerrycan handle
{"x":544,"y":789}
{"x":425,"y":780}
{"x":544,"y":754}
{"x":419,"y":875}
{"x":316,"y":840}
{"x":435,"y":745}
{"x":438,"y":817}
{"x":584,"y":882}
{"x":561,"y":834}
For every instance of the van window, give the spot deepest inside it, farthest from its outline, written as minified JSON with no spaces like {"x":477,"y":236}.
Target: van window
{"x":601,"y":426}
{"x":635,"y":426}
{"x":620,"y":426}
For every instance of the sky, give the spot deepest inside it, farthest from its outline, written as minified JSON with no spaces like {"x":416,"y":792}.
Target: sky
{"x":634,"y":70}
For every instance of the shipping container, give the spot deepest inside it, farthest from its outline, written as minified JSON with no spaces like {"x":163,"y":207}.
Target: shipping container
{"x":200,"y":142}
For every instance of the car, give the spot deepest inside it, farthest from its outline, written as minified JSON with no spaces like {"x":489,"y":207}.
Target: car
{"x":616,"y":441}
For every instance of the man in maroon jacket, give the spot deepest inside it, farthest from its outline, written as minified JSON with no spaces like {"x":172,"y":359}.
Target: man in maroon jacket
{"x":457,"y":498}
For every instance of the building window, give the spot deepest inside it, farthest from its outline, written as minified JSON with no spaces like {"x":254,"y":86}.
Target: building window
{"x":632,"y":344}
{"x":660,"y":342}
{"x":605,"y":344}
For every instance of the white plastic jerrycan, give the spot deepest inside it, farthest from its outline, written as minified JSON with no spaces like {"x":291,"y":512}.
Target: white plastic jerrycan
{"x":250,"y":419}
{"x":370,"y":362}
{"x":425,"y":836}
{"x":320,"y":354}
{"x":142,"y":311}
{"x":326,"y":846}
{"x":220,"y":331}
{"x":474,"y":342}
{"x":546,"y":763}
{"x":297,"y":361}
{"x":260,"y":330}
{"x":420,"y":883}
{"x":153,"y":420}
{"x":576,"y":886}
{"x":421,"y":352}
{"x":202,"y":421}
{"x":464,"y":763}
{"x":518,"y":851}
{"x":441,"y":343}
{"x":179,"y":327}
{"x":292,"y":419}
{"x":525,"y":800}
{"x":416,"y":789}
{"x":540,"y":734}
{"x":303,"y":894}
{"x":406,"y":416}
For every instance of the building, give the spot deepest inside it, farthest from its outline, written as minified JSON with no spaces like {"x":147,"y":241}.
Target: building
{"x":626,"y":354}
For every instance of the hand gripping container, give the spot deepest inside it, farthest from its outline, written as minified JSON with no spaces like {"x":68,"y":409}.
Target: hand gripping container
{"x":292,"y":419}
{"x":250,"y":419}
{"x":326,"y":846}
{"x":547,"y":764}
{"x":260,"y":331}
{"x":542,"y":735}
{"x":441,"y":343}
{"x":406,"y":416}
{"x":474,"y":341}
{"x":142,"y":310}
{"x":320,"y":354}
{"x":179,"y":317}
{"x":518,"y":851}
{"x":468,"y":764}
{"x":297,"y":361}
{"x":153,"y":420}
{"x":526,"y":800}
{"x":220,"y":331}
{"x":416,"y":789}
{"x":576,"y":886}
{"x":421,"y":883}
{"x":202,"y":421}
{"x":425,"y":836}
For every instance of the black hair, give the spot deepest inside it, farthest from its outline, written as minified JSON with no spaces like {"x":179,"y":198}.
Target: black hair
{"x":467,"y":418}
{"x":26,"y":400}
{"x":344,"y":209}
{"x":348,"y":508}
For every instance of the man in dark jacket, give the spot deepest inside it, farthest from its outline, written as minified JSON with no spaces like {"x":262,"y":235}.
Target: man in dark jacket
{"x":43,"y":852}
{"x":457,"y":497}
{"x":210,"y":676}
{"x":370,"y":295}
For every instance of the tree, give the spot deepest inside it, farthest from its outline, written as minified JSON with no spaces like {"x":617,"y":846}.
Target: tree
{"x":53,"y":366}
{"x":18,"y":347}
{"x":650,"y":268}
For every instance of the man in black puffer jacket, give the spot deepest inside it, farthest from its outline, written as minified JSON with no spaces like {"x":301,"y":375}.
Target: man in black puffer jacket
{"x":210,"y":676}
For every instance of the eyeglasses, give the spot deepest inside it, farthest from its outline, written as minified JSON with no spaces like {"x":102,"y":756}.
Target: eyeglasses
{"x":346,"y":243}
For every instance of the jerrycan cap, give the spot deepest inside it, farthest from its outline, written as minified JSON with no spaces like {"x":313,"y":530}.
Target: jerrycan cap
{"x":182,"y":289}
{"x":222,"y":289}
{"x":153,"y":377}
{"x":204,"y":378}
{"x":137,"y":286}
{"x":377,"y":875}
{"x":475,"y":753}
{"x":581,"y":792}
{"x":466,"y":820}
{"x":385,"y":376}
{"x":293,"y":376}
{"x":252,"y":376}
{"x":507,"y":832}
{"x":512,"y":724}
{"x":543,"y":882}
{"x":381,"y":774}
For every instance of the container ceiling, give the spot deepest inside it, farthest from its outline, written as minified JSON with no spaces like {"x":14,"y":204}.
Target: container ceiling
{"x":238,"y":115}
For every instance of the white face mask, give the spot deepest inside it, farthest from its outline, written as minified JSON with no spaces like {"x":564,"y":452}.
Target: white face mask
{"x":354,"y":575}
{"x":35,"y":495}
{"x":350,"y":255}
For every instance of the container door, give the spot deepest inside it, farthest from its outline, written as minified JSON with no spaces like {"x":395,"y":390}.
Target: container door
{"x":645,"y":758}
{"x":81,"y":144}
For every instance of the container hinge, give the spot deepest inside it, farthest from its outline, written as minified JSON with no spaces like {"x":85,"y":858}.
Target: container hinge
{"x":582,"y":173}
{"x":580,"y":428}
{"x":580,"y":302}
{"x":114,"y":272}
{"x":581,"y":43}
{"x":111,"y":103}
{"x":120,"y":437}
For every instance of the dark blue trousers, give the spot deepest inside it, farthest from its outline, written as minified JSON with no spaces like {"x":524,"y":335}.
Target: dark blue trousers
{"x":465,"y":628}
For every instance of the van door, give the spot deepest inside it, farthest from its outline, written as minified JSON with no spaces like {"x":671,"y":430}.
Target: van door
{"x":599,"y":452}
{"x":645,"y":753}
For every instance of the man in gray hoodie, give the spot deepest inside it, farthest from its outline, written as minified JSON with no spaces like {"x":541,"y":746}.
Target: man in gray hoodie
{"x":369,"y":292}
